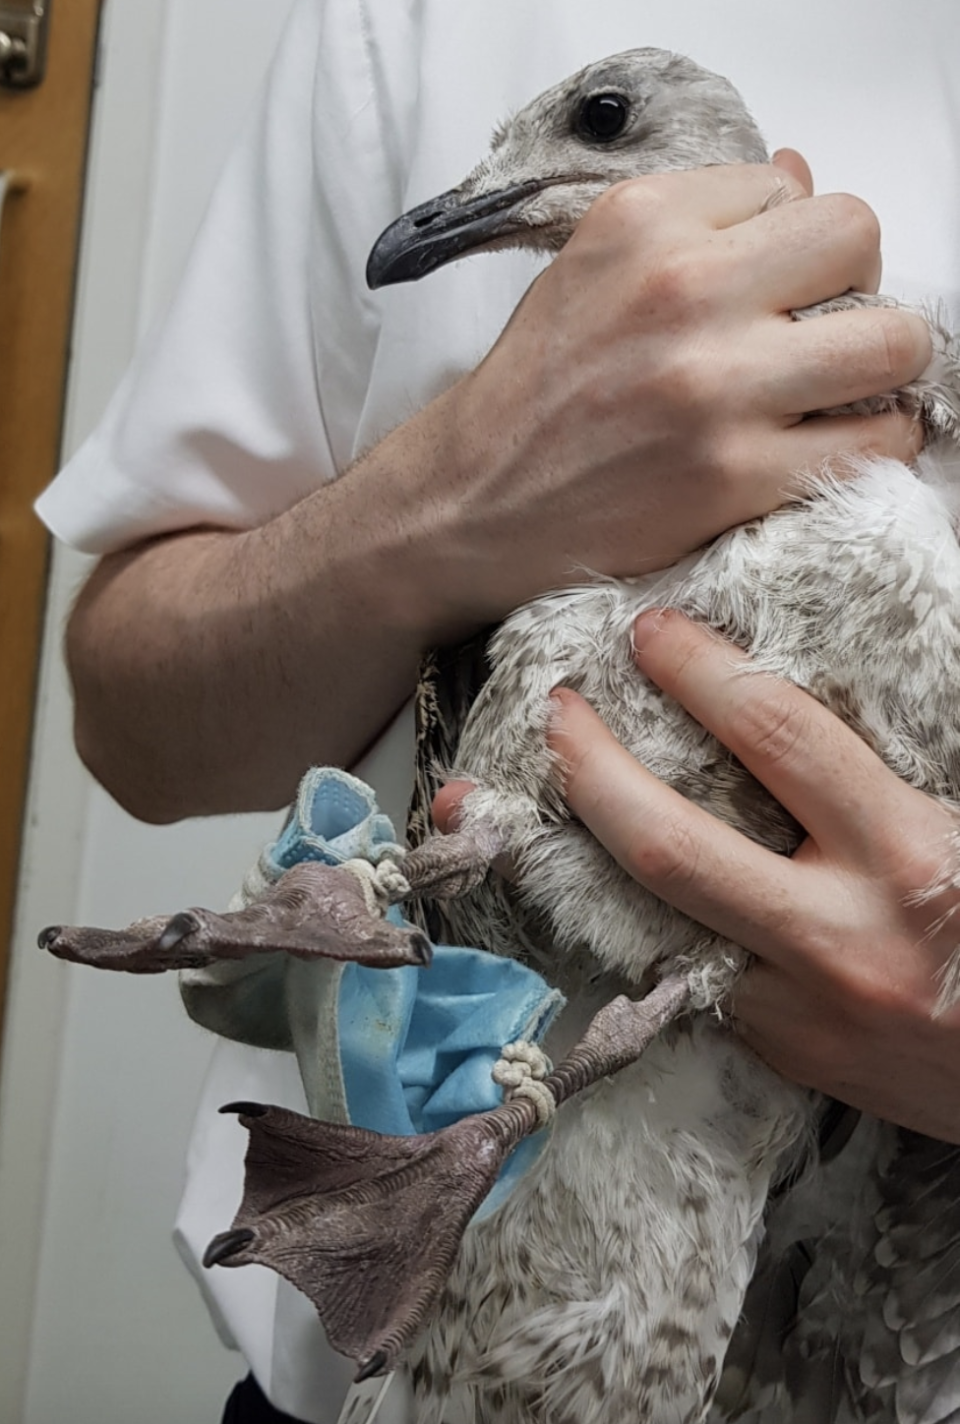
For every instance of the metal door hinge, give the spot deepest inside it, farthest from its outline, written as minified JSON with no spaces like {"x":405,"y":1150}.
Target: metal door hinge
{"x":23,"y":43}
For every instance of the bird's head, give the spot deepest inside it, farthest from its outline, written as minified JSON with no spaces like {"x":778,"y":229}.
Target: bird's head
{"x":643,"y":111}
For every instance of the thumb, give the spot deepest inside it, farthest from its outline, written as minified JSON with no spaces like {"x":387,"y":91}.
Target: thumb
{"x":796,"y":165}
{"x":446,"y":805}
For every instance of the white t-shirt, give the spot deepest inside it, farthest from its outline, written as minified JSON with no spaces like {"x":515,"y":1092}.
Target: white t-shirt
{"x":276,"y":366}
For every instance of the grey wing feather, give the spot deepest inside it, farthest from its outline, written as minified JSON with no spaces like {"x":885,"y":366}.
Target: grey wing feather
{"x":876,"y":1289}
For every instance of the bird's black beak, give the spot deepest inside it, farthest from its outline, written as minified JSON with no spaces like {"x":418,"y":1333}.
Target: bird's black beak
{"x":436,"y":232}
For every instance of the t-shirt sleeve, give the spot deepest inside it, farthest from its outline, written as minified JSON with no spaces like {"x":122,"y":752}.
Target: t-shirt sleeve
{"x":220,"y":421}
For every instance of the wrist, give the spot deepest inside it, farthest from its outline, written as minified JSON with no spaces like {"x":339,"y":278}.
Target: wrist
{"x":384,"y":544}
{"x":446,"y":548}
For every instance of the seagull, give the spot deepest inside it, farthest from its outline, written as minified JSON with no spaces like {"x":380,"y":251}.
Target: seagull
{"x":805,"y":591}
{"x":700,"y":1239}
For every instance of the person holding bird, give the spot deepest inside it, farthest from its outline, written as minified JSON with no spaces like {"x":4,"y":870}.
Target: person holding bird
{"x":273,"y":565}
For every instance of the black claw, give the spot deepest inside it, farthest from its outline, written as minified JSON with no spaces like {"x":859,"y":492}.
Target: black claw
{"x":423,"y":949}
{"x":49,"y":936}
{"x":245,"y":1109}
{"x":179,"y":927}
{"x":227,"y":1244}
{"x":374,"y":1366}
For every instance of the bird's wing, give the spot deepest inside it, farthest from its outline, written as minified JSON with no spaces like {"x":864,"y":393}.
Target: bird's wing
{"x":867,"y":1257}
{"x":910,"y":1283}
{"x":492,"y":916}
{"x":447,"y":686}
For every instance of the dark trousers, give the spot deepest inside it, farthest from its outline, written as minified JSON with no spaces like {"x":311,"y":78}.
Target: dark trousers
{"x":249,"y":1405}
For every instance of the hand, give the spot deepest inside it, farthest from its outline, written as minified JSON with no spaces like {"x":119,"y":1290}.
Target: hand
{"x":843,"y":995}
{"x":650,"y":390}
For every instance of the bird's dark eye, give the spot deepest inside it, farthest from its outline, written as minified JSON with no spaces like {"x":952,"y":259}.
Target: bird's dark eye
{"x":602,"y":117}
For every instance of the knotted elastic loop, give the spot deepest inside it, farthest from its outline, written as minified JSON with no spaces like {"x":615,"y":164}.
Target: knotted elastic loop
{"x":383,"y":884}
{"x":520,"y":1072}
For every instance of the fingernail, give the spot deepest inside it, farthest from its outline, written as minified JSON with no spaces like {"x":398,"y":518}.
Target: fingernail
{"x":647,"y":626}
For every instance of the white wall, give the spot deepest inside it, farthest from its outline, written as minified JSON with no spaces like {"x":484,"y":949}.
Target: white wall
{"x":99,"y":1323}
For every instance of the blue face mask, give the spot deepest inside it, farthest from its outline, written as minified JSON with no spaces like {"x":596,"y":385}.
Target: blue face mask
{"x":399,"y":1051}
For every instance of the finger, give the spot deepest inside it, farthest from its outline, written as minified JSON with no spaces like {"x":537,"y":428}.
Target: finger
{"x":719,"y":197}
{"x":446,"y":809}
{"x":824,"y":446}
{"x":783,"y":464}
{"x":835,"y":444}
{"x":807,"y":252}
{"x":796,"y":165}
{"x":846,"y":356}
{"x":676,"y":849}
{"x":446,"y":805}
{"x":815,"y":766}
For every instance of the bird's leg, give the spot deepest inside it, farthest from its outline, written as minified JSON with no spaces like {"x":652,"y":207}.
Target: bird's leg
{"x":446,"y":867}
{"x":369,"y":1226}
{"x":618,"y":1035}
{"x":312,"y":911}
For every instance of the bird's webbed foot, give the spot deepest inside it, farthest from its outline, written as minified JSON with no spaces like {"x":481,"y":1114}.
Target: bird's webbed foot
{"x":312,"y":911}
{"x":369,"y":1226}
{"x":446,"y":867}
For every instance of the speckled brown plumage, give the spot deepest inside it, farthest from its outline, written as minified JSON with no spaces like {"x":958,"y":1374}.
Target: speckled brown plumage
{"x":581,"y":1299}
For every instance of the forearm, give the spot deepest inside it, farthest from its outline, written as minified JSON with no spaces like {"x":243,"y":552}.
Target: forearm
{"x":210,"y":668}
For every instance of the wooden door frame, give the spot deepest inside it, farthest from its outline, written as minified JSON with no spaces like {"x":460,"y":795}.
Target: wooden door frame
{"x":44,"y":134}
{"x":121,"y":178}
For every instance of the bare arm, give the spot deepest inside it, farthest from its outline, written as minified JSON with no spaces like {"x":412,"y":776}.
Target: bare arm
{"x":648,"y":393}
{"x":842,"y":997}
